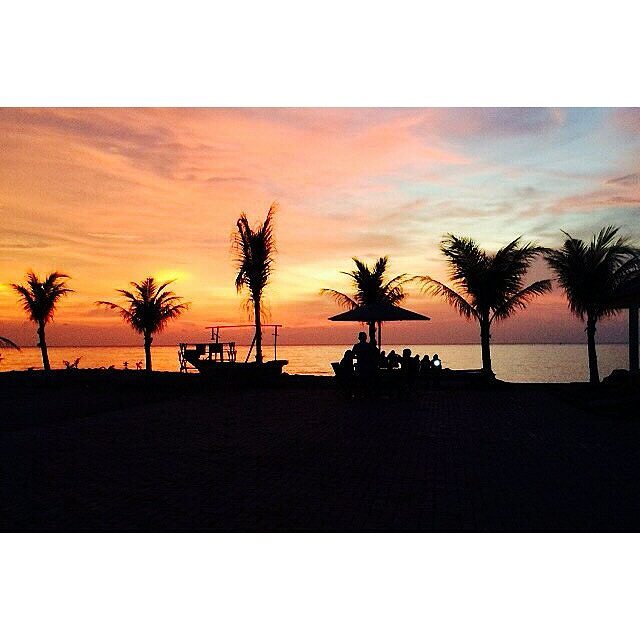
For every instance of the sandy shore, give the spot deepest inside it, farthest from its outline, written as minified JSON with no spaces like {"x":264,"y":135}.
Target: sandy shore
{"x":118,"y":451}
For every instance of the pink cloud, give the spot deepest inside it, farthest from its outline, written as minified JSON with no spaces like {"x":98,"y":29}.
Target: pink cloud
{"x":628,"y":119}
{"x":112,"y":195}
{"x":498,"y":122}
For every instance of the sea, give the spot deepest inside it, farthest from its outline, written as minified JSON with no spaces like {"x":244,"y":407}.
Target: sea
{"x":511,"y":362}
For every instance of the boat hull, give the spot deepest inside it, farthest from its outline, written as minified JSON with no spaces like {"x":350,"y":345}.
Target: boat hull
{"x":240,"y":371}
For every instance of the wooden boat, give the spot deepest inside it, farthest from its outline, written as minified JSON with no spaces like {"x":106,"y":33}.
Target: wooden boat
{"x":218,"y":359}
{"x":241,"y":371}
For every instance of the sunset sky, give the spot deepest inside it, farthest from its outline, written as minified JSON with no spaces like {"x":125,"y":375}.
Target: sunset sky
{"x":113,"y":195}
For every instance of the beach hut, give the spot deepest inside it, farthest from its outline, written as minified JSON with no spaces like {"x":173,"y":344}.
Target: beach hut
{"x":378,"y":312}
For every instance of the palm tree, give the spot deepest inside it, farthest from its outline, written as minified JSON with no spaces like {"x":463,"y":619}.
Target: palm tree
{"x":39,"y":300}
{"x":254,"y":250}
{"x":370,"y":287}
{"x":592,"y":275}
{"x":148,"y":310}
{"x":487,"y":287}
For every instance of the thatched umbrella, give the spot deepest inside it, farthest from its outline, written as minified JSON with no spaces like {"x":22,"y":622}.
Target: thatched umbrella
{"x":378,"y":312}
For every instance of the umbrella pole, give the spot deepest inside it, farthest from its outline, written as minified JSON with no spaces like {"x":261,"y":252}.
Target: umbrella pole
{"x":379,"y":336}
{"x":372,"y":330}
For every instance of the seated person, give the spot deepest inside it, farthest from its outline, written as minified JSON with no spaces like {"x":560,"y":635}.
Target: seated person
{"x":425,"y":364}
{"x":383,"y":360}
{"x":436,"y":363}
{"x":406,"y":360}
{"x":366,"y":355}
{"x":393,"y":360}
{"x":415,"y":365}
{"x":346,"y":364}
{"x":361,"y":346}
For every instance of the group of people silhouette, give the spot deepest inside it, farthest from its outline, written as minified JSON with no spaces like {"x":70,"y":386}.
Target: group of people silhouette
{"x":365,"y":359}
{"x":410,"y":363}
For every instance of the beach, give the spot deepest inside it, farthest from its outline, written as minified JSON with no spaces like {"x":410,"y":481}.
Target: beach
{"x":126,"y":451}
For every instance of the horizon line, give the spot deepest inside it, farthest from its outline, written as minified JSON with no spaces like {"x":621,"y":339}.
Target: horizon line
{"x":332,"y":344}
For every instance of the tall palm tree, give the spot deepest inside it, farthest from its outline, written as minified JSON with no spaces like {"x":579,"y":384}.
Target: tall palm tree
{"x":148,"y":310}
{"x":371,"y":287}
{"x":254,"y":251}
{"x":592,"y":275}
{"x":39,"y":299}
{"x":487,"y":287}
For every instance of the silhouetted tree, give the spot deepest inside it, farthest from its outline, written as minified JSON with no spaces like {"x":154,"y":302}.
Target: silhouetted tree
{"x":592,"y":275}
{"x":487,"y":287}
{"x":148,"y":310}
{"x":39,"y":300}
{"x":254,"y":250}
{"x":371,"y":287}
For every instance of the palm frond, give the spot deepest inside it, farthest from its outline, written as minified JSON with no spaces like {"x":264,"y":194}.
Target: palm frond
{"x":369,"y":285}
{"x":520,"y":299}
{"x":341,"y":298}
{"x":26,"y":299}
{"x":149,"y":308}
{"x":254,"y":250}
{"x":590,"y":273}
{"x":467,"y":262}
{"x":9,"y":344}
{"x":39,"y":299}
{"x":394,"y":289}
{"x":487,"y":283}
{"x":159,"y":290}
{"x":457,"y":301}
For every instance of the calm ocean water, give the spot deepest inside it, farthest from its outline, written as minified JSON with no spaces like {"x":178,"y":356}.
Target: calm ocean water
{"x":512,"y":362}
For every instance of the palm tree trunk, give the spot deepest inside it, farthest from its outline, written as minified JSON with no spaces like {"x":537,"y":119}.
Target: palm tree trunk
{"x":148,"y":339}
{"x":591,"y":346}
{"x":42,"y":343}
{"x":258,"y":332}
{"x":485,"y":344}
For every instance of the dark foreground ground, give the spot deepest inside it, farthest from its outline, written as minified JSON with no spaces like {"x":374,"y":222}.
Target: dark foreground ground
{"x":105,"y":452}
